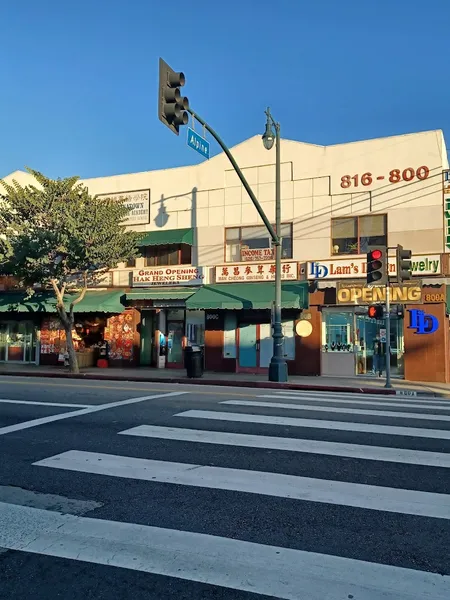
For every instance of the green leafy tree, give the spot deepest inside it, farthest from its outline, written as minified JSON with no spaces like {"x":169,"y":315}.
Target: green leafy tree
{"x":56,"y":235}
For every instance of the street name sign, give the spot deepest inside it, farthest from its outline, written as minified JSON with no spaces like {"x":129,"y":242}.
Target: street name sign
{"x":197,"y":142}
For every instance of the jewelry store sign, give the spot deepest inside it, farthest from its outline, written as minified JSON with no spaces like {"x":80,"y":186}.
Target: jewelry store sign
{"x":357,"y":293}
{"x":254,"y":272}
{"x":351,"y":268}
{"x":168,"y":276}
{"x":138,"y":203}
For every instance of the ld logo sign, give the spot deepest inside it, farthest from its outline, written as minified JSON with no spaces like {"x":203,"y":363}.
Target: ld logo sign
{"x":422,"y":322}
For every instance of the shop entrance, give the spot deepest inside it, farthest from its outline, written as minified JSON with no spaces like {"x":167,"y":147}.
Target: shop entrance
{"x":17,"y":342}
{"x":147,"y":338}
{"x":175,"y":336}
{"x":348,"y":341}
{"x":255,"y":346}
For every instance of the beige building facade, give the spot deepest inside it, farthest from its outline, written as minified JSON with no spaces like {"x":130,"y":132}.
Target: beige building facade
{"x":336,"y":201}
{"x":400,"y":177}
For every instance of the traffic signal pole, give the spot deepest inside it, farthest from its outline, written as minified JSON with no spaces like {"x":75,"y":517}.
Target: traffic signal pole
{"x":388,"y":333}
{"x":278,"y":365}
{"x":172,"y":112}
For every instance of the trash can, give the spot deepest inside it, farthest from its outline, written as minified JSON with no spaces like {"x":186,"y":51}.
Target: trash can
{"x":193,"y":361}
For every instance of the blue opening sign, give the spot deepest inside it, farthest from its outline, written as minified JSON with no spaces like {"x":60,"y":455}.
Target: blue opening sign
{"x":197,"y":142}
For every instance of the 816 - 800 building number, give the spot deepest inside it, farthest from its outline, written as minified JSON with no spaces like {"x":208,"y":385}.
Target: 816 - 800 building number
{"x":394,"y":176}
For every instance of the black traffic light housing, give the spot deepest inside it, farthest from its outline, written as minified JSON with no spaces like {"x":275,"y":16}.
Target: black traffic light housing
{"x":404,"y":266}
{"x":172,"y":106}
{"x":375,"y":311}
{"x":377,"y":265}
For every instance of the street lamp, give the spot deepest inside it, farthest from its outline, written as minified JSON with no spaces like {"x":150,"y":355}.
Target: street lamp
{"x":278,"y":366}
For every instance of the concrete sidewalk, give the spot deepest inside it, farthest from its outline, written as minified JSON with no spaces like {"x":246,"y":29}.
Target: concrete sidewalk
{"x":361,"y":384}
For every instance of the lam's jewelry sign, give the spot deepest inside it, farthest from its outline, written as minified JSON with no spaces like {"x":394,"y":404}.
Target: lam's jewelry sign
{"x":446,"y":186}
{"x":254,"y":272}
{"x":357,"y":293}
{"x":160,"y":276}
{"x":138,"y":203}
{"x":351,"y":268}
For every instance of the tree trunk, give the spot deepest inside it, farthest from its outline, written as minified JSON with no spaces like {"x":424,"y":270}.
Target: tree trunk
{"x":73,"y":361}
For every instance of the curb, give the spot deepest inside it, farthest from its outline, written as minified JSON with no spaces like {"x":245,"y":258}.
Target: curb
{"x":206,"y":382}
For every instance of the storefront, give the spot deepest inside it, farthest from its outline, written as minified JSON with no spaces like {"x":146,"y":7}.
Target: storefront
{"x":343,"y":335}
{"x":159,"y":295}
{"x":238,"y":330}
{"x":31,"y":332}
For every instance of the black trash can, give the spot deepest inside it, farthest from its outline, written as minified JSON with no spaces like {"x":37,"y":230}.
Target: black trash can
{"x":193,"y":361}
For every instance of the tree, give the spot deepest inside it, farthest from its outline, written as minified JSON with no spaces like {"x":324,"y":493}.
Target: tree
{"x":56,"y":235}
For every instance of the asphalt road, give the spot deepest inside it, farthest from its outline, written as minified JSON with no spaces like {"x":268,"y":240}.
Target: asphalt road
{"x":155,"y":491}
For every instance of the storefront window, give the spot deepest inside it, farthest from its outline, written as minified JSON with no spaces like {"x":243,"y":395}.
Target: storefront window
{"x":167,"y":255}
{"x":338,"y":331}
{"x":195,"y":327}
{"x":353,"y":235}
{"x":17,"y":341}
{"x":238,"y":239}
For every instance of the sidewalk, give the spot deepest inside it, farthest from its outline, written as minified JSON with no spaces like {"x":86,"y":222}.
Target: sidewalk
{"x":361,"y":384}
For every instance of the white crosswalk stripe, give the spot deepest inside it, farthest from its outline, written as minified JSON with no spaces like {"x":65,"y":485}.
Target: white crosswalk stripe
{"x":255,"y":482}
{"x":379,"y":453}
{"x":315,"y":424}
{"x":378,"y":398}
{"x":347,"y":400}
{"x":332,"y":409}
{"x":271,"y":570}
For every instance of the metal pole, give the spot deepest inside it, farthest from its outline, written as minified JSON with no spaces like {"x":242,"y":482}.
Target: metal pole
{"x":388,"y":336}
{"x":248,"y":189}
{"x":278,"y":366}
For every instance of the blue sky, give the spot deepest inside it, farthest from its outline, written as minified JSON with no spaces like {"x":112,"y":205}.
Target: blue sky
{"x":79,"y":79}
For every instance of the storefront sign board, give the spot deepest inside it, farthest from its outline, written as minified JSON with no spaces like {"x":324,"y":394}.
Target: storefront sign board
{"x":257,"y":254}
{"x":422,"y":322}
{"x":352,"y":267}
{"x":446,"y":190}
{"x":139,"y":204}
{"x":254,"y":272}
{"x":168,"y":276}
{"x":357,"y":293}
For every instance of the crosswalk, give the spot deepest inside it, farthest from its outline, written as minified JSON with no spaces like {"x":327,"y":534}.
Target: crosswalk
{"x":350,"y":471}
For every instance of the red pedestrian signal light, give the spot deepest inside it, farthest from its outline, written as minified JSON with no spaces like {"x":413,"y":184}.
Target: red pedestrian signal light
{"x":375,"y":312}
{"x":377,"y":265}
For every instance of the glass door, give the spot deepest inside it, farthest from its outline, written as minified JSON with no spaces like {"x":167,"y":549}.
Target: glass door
{"x":175,"y":333}
{"x":17,"y":341}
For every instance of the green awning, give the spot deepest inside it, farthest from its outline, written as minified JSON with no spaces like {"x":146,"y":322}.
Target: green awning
{"x":181,"y":293}
{"x":236,"y":296}
{"x":168,"y":236}
{"x":105,"y":302}
{"x":17,"y":302}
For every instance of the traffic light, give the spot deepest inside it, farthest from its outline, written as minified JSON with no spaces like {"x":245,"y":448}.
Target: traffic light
{"x":375,"y":311}
{"x":377,"y":265}
{"x":404,"y":267}
{"x":172,"y":106}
